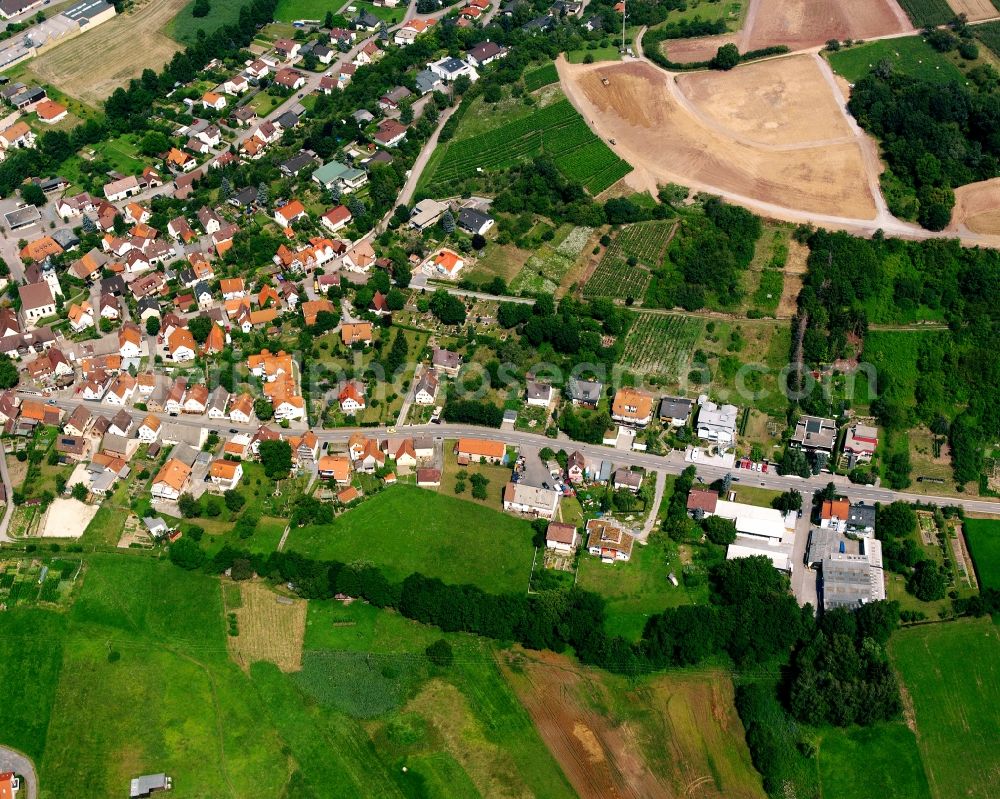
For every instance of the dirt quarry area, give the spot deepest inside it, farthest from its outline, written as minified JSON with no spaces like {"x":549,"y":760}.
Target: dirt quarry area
{"x":684,"y":51}
{"x":974,"y":10}
{"x":668,"y":737}
{"x":977,"y":208}
{"x":768,"y":104}
{"x":808,"y":23}
{"x":768,"y":135}
{"x":91,"y":66}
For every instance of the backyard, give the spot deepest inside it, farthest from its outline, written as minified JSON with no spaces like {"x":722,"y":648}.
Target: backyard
{"x":406,"y":529}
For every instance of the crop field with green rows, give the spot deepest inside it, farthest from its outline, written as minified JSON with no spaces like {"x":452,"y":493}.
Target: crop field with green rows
{"x":614,"y":277}
{"x":661,"y":344}
{"x":557,"y":130}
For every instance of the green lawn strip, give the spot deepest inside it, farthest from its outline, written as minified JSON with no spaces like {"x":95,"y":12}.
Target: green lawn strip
{"x":952,"y":675}
{"x":31,"y":652}
{"x":405,"y":529}
{"x":910,"y":55}
{"x":333,"y":753}
{"x":983,"y":537}
{"x":541,"y":76}
{"x":882,"y":760}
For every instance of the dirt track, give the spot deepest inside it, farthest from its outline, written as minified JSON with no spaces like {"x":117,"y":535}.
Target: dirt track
{"x":758,"y":150}
{"x":92,"y":66}
{"x":977,"y":208}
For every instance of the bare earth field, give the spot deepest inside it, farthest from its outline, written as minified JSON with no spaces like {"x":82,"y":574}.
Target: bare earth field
{"x":795,"y":269}
{"x":90,"y":67}
{"x":757,"y":152}
{"x":268,"y":630}
{"x":673,"y":736}
{"x":808,"y":23}
{"x":683,"y":51}
{"x":974,"y":10}
{"x":767,"y":106}
{"x":977,"y":207}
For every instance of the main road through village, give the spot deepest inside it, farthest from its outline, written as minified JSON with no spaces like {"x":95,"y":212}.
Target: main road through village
{"x":673,"y":463}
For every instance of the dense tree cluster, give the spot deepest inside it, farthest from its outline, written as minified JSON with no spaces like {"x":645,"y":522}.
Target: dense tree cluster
{"x":934,"y":138}
{"x":708,"y":256}
{"x":841,"y":675}
{"x":851,"y":279}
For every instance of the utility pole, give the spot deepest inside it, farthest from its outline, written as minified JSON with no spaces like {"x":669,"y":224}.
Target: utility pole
{"x":624,"y":16}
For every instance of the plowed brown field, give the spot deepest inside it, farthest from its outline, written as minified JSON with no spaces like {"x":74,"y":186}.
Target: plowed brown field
{"x":94,"y":64}
{"x":673,"y":736}
{"x":977,"y":207}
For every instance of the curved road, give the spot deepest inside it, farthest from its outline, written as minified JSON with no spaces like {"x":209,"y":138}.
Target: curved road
{"x":12,"y":760}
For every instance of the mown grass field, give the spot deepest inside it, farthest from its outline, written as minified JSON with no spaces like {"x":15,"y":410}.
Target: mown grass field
{"x":910,"y":55}
{"x":881,"y":761}
{"x":951,"y":673}
{"x":636,"y":589}
{"x":983,"y":537}
{"x":405,"y":529}
{"x":185,"y":25}
{"x":168,"y":700}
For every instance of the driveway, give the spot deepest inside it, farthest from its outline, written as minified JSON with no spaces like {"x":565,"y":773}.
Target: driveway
{"x":12,"y":760}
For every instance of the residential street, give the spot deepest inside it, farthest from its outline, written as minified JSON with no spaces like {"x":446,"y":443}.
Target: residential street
{"x":673,"y":463}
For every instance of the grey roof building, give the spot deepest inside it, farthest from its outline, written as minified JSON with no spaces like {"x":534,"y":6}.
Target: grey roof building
{"x":585,"y":392}
{"x":861,"y":518}
{"x":675,"y":410}
{"x":815,"y":434}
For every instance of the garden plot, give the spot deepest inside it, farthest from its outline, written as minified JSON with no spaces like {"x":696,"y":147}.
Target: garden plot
{"x":661,"y":344}
{"x":545,"y":271}
{"x":67,"y":518}
{"x":622,"y":272}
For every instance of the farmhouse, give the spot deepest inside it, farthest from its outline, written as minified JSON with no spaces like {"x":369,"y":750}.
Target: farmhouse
{"x":561,"y":537}
{"x":530,"y":500}
{"x":474,"y":450}
{"x":608,"y":540}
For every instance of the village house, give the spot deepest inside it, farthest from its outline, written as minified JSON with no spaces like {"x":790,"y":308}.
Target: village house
{"x":225,"y":474}
{"x":356,"y":333}
{"x":338,"y":469}
{"x":632,"y":407}
{"x":815,"y":434}
{"x":675,"y":411}
{"x":608,"y":540}
{"x":860,"y":443}
{"x":289,"y":213}
{"x":149,"y":429}
{"x":539,"y":394}
{"x":425,"y":389}
{"x":352,"y":397}
{"x":561,"y":537}
{"x":717,"y":423}
{"x":474,"y":450}
{"x":531,"y":500}
{"x":172,"y":480}
{"x":446,"y":361}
